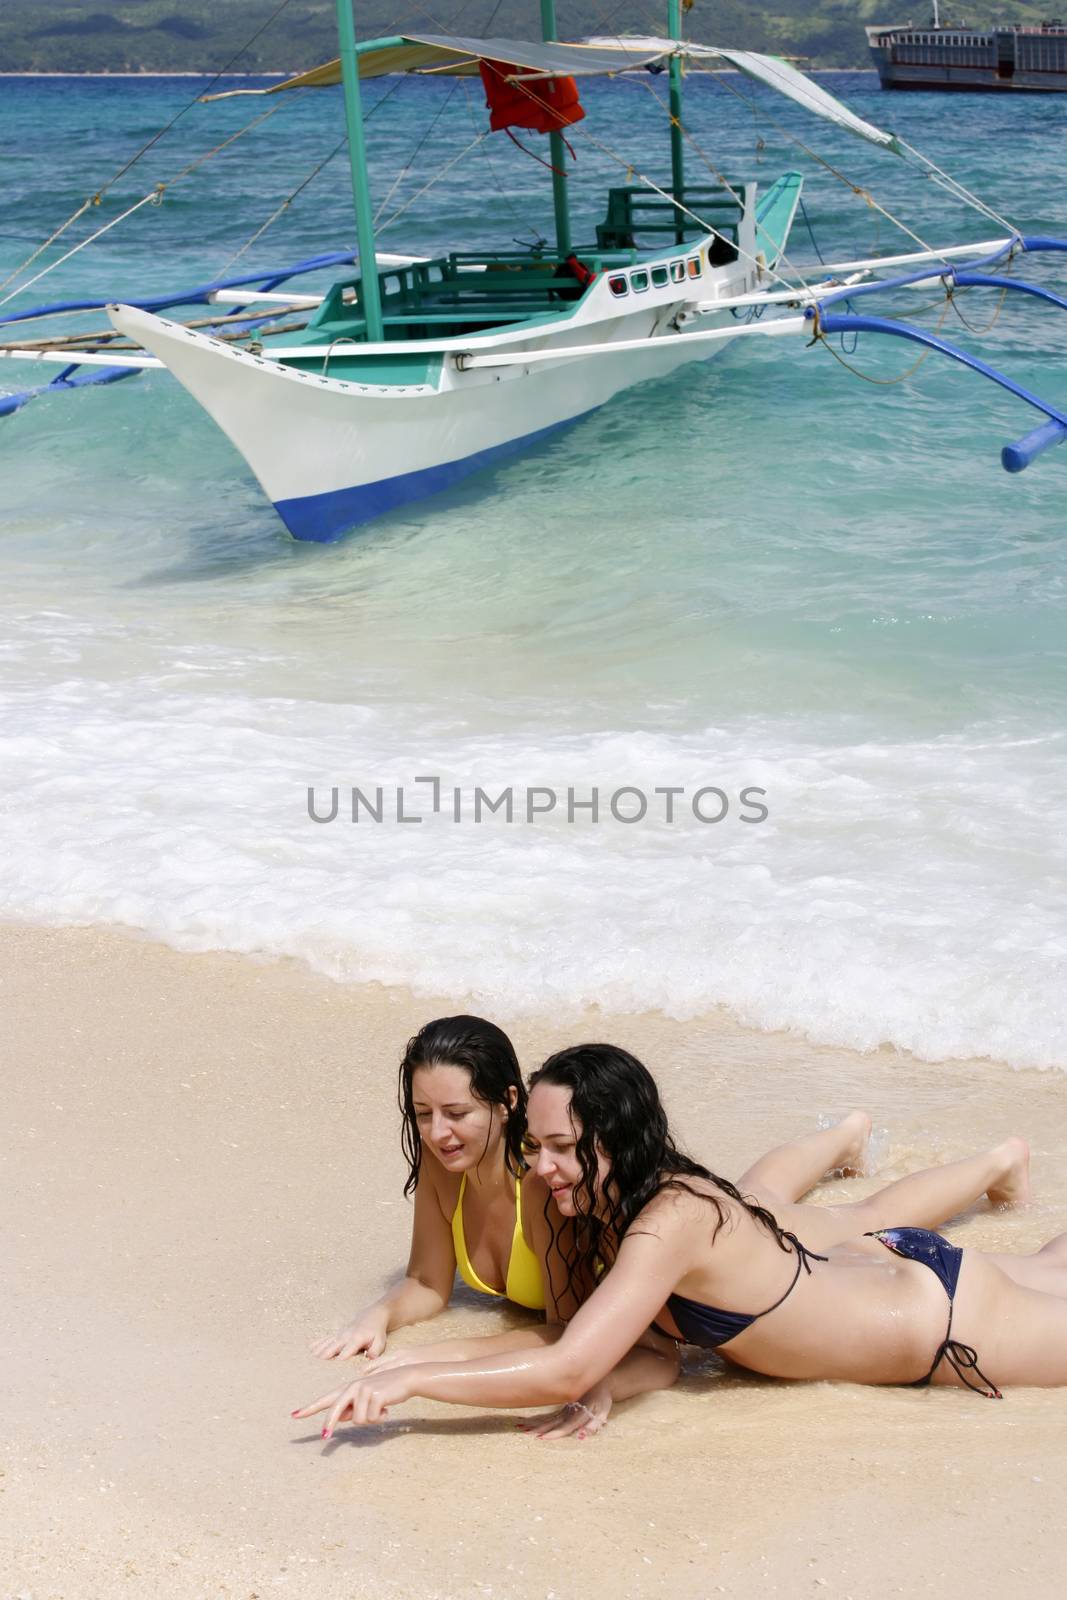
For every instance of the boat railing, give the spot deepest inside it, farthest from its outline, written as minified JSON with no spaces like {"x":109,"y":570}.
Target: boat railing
{"x":635,"y":212}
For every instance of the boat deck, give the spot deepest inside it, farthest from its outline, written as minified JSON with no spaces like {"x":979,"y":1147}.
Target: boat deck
{"x":467,"y":293}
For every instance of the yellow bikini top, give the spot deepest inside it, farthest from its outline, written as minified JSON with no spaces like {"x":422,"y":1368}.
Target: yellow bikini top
{"x":523,"y":1283}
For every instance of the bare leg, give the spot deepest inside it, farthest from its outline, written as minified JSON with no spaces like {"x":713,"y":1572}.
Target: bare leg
{"x":1046,"y":1269}
{"x":790,"y":1171}
{"x":1018,"y":1330}
{"x":925,"y":1199}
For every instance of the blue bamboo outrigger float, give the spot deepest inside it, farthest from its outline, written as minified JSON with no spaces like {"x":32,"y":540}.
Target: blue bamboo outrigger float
{"x":409,"y":373}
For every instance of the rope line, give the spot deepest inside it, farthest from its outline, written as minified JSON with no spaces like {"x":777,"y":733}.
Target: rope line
{"x":410,"y":201}
{"x":953,"y":296}
{"x":156,"y":194}
{"x":408,"y":164}
{"x":954,"y":186}
{"x":30,"y":259}
{"x":312,"y":175}
{"x":152,"y":198}
{"x":883,"y":383}
{"x":791,"y":138}
{"x":156,"y":137}
{"x":95,"y":199}
{"x":282,"y":209}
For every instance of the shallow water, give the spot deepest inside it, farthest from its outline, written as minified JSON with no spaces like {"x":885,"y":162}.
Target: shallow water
{"x":763,"y":573}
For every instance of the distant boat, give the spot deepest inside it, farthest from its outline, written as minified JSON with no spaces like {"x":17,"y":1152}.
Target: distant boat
{"x":1021,"y":60}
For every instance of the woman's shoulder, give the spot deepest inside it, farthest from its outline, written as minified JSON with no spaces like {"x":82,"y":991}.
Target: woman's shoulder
{"x":534,"y":1200}
{"x":534,"y":1189}
{"x":688,"y":1200}
{"x":439,"y":1187}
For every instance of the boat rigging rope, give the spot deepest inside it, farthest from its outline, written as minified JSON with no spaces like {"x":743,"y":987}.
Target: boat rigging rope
{"x":152,"y":198}
{"x":856,"y":188}
{"x":41,"y":248}
{"x":516,"y":216}
{"x":95,"y":199}
{"x":627,"y":166}
{"x":393,"y":88}
{"x":820,"y":338}
{"x":435,"y":179}
{"x":312,"y":175}
{"x":644,"y":83}
{"x":410,"y":162}
{"x":953,"y":298}
{"x":281,"y":209}
{"x":155,"y":194}
{"x":954,"y":187}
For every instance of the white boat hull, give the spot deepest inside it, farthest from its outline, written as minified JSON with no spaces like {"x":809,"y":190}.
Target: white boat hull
{"x":332,"y":454}
{"x":339,"y":432}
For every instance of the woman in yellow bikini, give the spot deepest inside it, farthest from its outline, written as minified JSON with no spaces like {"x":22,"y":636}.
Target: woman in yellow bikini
{"x":479,"y":1210}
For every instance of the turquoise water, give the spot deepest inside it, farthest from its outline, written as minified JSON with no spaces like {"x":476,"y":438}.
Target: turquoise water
{"x":764,"y":572}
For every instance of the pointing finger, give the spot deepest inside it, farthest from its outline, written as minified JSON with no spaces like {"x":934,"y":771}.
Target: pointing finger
{"x":317,"y":1405}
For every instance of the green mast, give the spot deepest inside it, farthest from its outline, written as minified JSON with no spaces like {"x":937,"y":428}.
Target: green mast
{"x":370,"y":289}
{"x":674,"y":30}
{"x":558,"y":151}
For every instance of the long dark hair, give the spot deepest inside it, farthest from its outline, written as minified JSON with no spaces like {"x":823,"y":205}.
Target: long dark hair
{"x":486,"y":1052}
{"x":615,"y":1099}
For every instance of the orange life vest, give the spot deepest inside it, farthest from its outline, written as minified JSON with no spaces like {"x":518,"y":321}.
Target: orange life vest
{"x":545,"y":105}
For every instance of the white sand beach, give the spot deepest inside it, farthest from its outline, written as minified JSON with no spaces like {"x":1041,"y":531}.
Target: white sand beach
{"x":203,"y":1173}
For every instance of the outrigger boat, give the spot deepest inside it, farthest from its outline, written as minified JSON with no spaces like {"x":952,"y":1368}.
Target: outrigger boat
{"x":411,"y":373}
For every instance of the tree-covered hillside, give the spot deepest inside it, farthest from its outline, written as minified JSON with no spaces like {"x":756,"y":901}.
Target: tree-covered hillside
{"x":206,"y":35}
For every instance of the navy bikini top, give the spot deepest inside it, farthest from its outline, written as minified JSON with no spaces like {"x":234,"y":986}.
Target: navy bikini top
{"x":709,"y":1326}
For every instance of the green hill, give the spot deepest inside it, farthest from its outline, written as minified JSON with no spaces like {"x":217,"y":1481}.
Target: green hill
{"x":206,"y":35}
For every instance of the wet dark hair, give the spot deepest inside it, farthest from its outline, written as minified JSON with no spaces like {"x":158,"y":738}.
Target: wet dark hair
{"x":483,"y":1050}
{"x":614,"y":1097}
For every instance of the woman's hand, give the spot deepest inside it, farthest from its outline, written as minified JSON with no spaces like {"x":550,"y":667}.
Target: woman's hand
{"x":366,"y":1336}
{"x":583,"y":1417}
{"x":415,"y":1355}
{"x":366,"y":1400}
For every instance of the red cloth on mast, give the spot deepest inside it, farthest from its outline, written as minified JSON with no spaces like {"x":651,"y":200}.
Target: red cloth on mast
{"x":544,"y":105}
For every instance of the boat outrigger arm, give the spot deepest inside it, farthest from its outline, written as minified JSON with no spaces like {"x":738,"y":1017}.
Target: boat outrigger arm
{"x":410,"y":373}
{"x":818,"y":321}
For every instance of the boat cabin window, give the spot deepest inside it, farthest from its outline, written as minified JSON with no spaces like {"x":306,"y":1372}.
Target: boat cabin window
{"x":660,"y":277}
{"x":694,"y":266}
{"x":678,"y":271}
{"x":639,"y":282}
{"x":618,"y":286}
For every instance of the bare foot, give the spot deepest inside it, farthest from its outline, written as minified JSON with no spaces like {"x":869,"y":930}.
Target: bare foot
{"x":858,"y":1126}
{"x":1012,"y":1188}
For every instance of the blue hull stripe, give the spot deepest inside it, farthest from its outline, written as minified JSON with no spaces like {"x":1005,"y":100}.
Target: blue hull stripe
{"x":322,"y":518}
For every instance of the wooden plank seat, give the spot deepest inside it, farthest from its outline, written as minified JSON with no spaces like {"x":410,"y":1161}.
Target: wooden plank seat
{"x":635,"y":211}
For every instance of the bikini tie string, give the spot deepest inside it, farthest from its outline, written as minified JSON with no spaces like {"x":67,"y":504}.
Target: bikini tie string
{"x":962,"y":1358}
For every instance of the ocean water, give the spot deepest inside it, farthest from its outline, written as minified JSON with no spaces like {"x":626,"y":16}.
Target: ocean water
{"x":765,"y":574}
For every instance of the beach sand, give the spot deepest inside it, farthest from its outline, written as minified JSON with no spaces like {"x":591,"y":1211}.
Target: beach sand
{"x":202,"y":1173}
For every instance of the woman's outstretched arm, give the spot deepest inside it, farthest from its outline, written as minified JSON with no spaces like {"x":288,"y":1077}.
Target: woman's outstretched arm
{"x":650,"y":1263}
{"x":652,"y":1364}
{"x":423,"y":1291}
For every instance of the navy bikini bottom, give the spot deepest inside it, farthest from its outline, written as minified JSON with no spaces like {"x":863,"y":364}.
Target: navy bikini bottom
{"x":944,"y":1261}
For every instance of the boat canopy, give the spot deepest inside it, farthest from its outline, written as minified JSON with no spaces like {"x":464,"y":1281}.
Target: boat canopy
{"x":448,"y":55}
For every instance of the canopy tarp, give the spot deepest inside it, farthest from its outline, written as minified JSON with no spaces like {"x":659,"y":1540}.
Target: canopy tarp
{"x":452,"y":56}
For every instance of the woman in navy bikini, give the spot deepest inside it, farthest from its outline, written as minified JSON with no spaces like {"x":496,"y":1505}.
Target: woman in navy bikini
{"x":686,"y":1250}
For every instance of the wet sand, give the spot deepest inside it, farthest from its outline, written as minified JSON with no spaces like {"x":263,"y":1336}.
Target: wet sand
{"x":202,"y":1173}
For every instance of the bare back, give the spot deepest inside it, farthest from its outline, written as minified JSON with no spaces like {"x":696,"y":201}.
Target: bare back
{"x":862,"y":1314}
